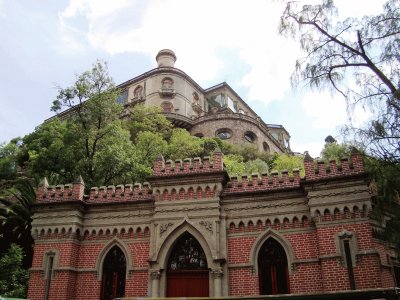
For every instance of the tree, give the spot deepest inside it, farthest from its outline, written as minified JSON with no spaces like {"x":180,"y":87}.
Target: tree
{"x":357,"y":58}
{"x":13,"y":278}
{"x":142,"y":118}
{"x":8,"y":159}
{"x":335,"y":151}
{"x":92,"y":141}
{"x":15,"y":218}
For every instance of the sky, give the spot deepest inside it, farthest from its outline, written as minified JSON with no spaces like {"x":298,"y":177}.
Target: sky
{"x":46,"y":43}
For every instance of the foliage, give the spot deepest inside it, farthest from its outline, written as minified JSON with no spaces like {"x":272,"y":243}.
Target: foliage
{"x":8,"y":158}
{"x":142,"y":118}
{"x":289,"y":162}
{"x":15,"y":218}
{"x":91,"y":142}
{"x":386,"y":178}
{"x":357,"y":58}
{"x":182,"y":145}
{"x":335,"y":151}
{"x":257,"y":166}
{"x":16,"y":214}
{"x":234,"y":164}
{"x":148,"y":146}
{"x":13,"y":278}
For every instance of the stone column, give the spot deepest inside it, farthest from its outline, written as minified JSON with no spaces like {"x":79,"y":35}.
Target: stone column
{"x":217,"y":275}
{"x":155,"y":283}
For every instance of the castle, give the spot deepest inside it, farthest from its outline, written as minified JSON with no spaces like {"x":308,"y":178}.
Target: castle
{"x":193,"y":231}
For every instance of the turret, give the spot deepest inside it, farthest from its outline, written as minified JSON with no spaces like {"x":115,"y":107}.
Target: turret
{"x":166,"y":58}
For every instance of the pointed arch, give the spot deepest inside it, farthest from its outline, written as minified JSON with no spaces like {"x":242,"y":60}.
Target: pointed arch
{"x":170,"y":240}
{"x":103,"y":253}
{"x":271,"y":233}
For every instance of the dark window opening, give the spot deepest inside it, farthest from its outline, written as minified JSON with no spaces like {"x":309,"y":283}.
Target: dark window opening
{"x":224,"y":134}
{"x":273,"y":269}
{"x":250,"y":137}
{"x":349,"y":264}
{"x":49,"y":273}
{"x":114,"y":270}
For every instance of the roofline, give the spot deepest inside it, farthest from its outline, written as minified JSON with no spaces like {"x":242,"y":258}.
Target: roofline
{"x":225,"y":84}
{"x":157,"y":71}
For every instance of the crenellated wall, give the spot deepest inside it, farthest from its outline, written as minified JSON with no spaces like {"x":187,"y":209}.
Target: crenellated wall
{"x":309,"y":217}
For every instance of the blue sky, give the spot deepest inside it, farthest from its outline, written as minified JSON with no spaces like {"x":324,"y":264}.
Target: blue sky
{"x":45,"y":43}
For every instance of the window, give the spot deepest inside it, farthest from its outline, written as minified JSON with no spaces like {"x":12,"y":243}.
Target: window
{"x":232,"y":105}
{"x":50,"y":257}
{"x":266,"y":147}
{"x":216,"y":101}
{"x":138,"y":93}
{"x":250,"y":137}
{"x":195,"y":97}
{"x":167,"y":83}
{"x":123,"y":97}
{"x":347,"y":245}
{"x":167,"y":107}
{"x":273,"y":269}
{"x":224,"y":133}
{"x":114,"y":270}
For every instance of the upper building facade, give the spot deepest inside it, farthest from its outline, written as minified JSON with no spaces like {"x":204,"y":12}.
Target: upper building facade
{"x":217,"y":111}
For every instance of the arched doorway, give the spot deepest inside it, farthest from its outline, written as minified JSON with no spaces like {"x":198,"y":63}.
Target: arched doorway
{"x":187,"y":271}
{"x":113,"y":278}
{"x":273,"y":269}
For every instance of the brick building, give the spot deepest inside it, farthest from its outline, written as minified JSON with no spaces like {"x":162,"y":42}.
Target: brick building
{"x":192,"y":231}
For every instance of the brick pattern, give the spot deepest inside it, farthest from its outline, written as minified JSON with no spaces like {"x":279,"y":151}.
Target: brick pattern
{"x":306,"y":278}
{"x":254,"y":183}
{"x":188,"y":166}
{"x":243,"y":281}
{"x":323,"y":171}
{"x":317,"y":264}
{"x":185,"y":194}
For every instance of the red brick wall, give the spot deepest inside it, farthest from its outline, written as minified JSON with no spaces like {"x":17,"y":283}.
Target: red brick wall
{"x":67,"y":284}
{"x":243,"y":282}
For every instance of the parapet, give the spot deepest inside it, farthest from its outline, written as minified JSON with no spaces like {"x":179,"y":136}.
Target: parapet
{"x":120,"y":193}
{"x":254,"y":183}
{"x":188,"y":166}
{"x":64,"y":192}
{"x":321,"y":170}
{"x":103,"y":194}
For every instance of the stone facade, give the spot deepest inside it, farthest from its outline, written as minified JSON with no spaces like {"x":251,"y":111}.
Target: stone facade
{"x":320,"y":223}
{"x":204,"y":112}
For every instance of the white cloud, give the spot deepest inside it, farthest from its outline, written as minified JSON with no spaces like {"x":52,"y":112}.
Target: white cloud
{"x":325,"y":110}
{"x":313,"y":148}
{"x":195,"y":32}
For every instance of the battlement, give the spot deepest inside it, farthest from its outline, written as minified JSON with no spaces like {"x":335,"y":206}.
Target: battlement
{"x":75,"y":192}
{"x":188,"y":165}
{"x":321,"y":170}
{"x":67,"y":192}
{"x":265,"y":183}
{"x":120,"y":193}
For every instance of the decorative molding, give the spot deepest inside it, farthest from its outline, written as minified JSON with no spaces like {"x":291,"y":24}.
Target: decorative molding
{"x":164,"y":227}
{"x":186,"y":209}
{"x":271,"y":205}
{"x":217,"y":273}
{"x":207,"y":225}
{"x":344,"y":193}
{"x":155,"y":275}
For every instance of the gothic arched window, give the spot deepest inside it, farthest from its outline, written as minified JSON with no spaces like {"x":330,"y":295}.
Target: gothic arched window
{"x":273,"y":268}
{"x":114,"y":270}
